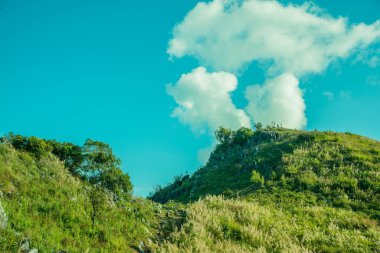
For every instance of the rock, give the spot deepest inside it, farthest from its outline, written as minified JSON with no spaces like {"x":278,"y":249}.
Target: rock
{"x":24,"y":246}
{"x":141,"y":247}
{"x":3,"y":218}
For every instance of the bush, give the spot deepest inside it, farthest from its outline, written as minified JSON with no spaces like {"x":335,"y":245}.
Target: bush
{"x":33,"y":145}
{"x":257,"y":178}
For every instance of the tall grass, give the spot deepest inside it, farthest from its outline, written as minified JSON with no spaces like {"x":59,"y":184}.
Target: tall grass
{"x":216,"y":224}
{"x":46,"y":204}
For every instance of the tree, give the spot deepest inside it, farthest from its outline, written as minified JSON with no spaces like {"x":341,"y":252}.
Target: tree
{"x":117,"y":182}
{"x":97,"y":158}
{"x":223,"y":135}
{"x":97,"y":200}
{"x":70,"y":154}
{"x":33,"y":145}
{"x":258,"y":126}
{"x":257,"y":178}
{"x":242,"y":135}
{"x":101,"y":167}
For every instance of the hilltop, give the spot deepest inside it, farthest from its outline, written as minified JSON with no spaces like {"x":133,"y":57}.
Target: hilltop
{"x":336,"y":169}
{"x":281,"y":190}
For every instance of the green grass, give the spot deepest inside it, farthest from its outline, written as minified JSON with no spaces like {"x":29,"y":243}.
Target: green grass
{"x":215,"y":224}
{"x":341,"y":170}
{"x":273,"y":190}
{"x":283,"y":191}
{"x":45,"y":203}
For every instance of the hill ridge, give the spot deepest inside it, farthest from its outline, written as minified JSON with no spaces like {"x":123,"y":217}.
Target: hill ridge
{"x":330,"y":165}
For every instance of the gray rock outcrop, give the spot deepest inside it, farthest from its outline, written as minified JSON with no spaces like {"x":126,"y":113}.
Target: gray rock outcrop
{"x":25,"y":245}
{"x":3,"y":218}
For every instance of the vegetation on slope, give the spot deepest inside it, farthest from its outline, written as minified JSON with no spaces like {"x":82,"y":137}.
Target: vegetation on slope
{"x":215,"y":224}
{"x":60,"y":208}
{"x":283,"y":191}
{"x":279,"y":190}
{"x":333,"y":169}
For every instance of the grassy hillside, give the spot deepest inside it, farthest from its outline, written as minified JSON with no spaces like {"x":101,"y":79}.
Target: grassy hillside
{"x":54,"y":209}
{"x":274,"y":190}
{"x":215,"y":224}
{"x":334,"y":169}
{"x":283,"y":191}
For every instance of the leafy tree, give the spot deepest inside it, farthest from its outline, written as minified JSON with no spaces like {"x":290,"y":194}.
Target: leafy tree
{"x":117,"y":182}
{"x":70,"y":154}
{"x":257,"y":178}
{"x":223,"y":135}
{"x":97,"y":200}
{"x":98,"y":158}
{"x":242,"y":135}
{"x":101,"y":167}
{"x":35,"y":146}
{"x":258,"y":126}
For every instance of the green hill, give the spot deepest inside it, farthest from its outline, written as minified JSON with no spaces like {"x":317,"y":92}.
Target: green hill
{"x":284,"y":191}
{"x":56,"y":209}
{"x":274,"y":190}
{"x":335,"y":169}
{"x":215,"y":224}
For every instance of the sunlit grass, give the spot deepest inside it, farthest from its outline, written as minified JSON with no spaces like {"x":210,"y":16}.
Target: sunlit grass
{"x":216,"y":224}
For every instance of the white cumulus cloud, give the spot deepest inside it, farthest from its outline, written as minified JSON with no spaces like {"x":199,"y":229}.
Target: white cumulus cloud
{"x":300,"y":39}
{"x":204,"y":101}
{"x":280,"y":100}
{"x":292,"y":41}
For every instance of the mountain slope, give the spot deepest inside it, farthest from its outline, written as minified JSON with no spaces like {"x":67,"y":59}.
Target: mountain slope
{"x":45,"y":203}
{"x":282,"y":191}
{"x":335,"y":169}
{"x":279,"y":190}
{"x":215,"y":224}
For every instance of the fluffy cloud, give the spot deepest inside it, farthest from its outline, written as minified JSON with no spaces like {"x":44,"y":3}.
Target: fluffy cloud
{"x":229,"y":34}
{"x":280,"y":100}
{"x":290,"y":40}
{"x":204,"y":101}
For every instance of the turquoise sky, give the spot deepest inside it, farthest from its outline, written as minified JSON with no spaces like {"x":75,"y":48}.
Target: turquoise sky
{"x":71,"y":70}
